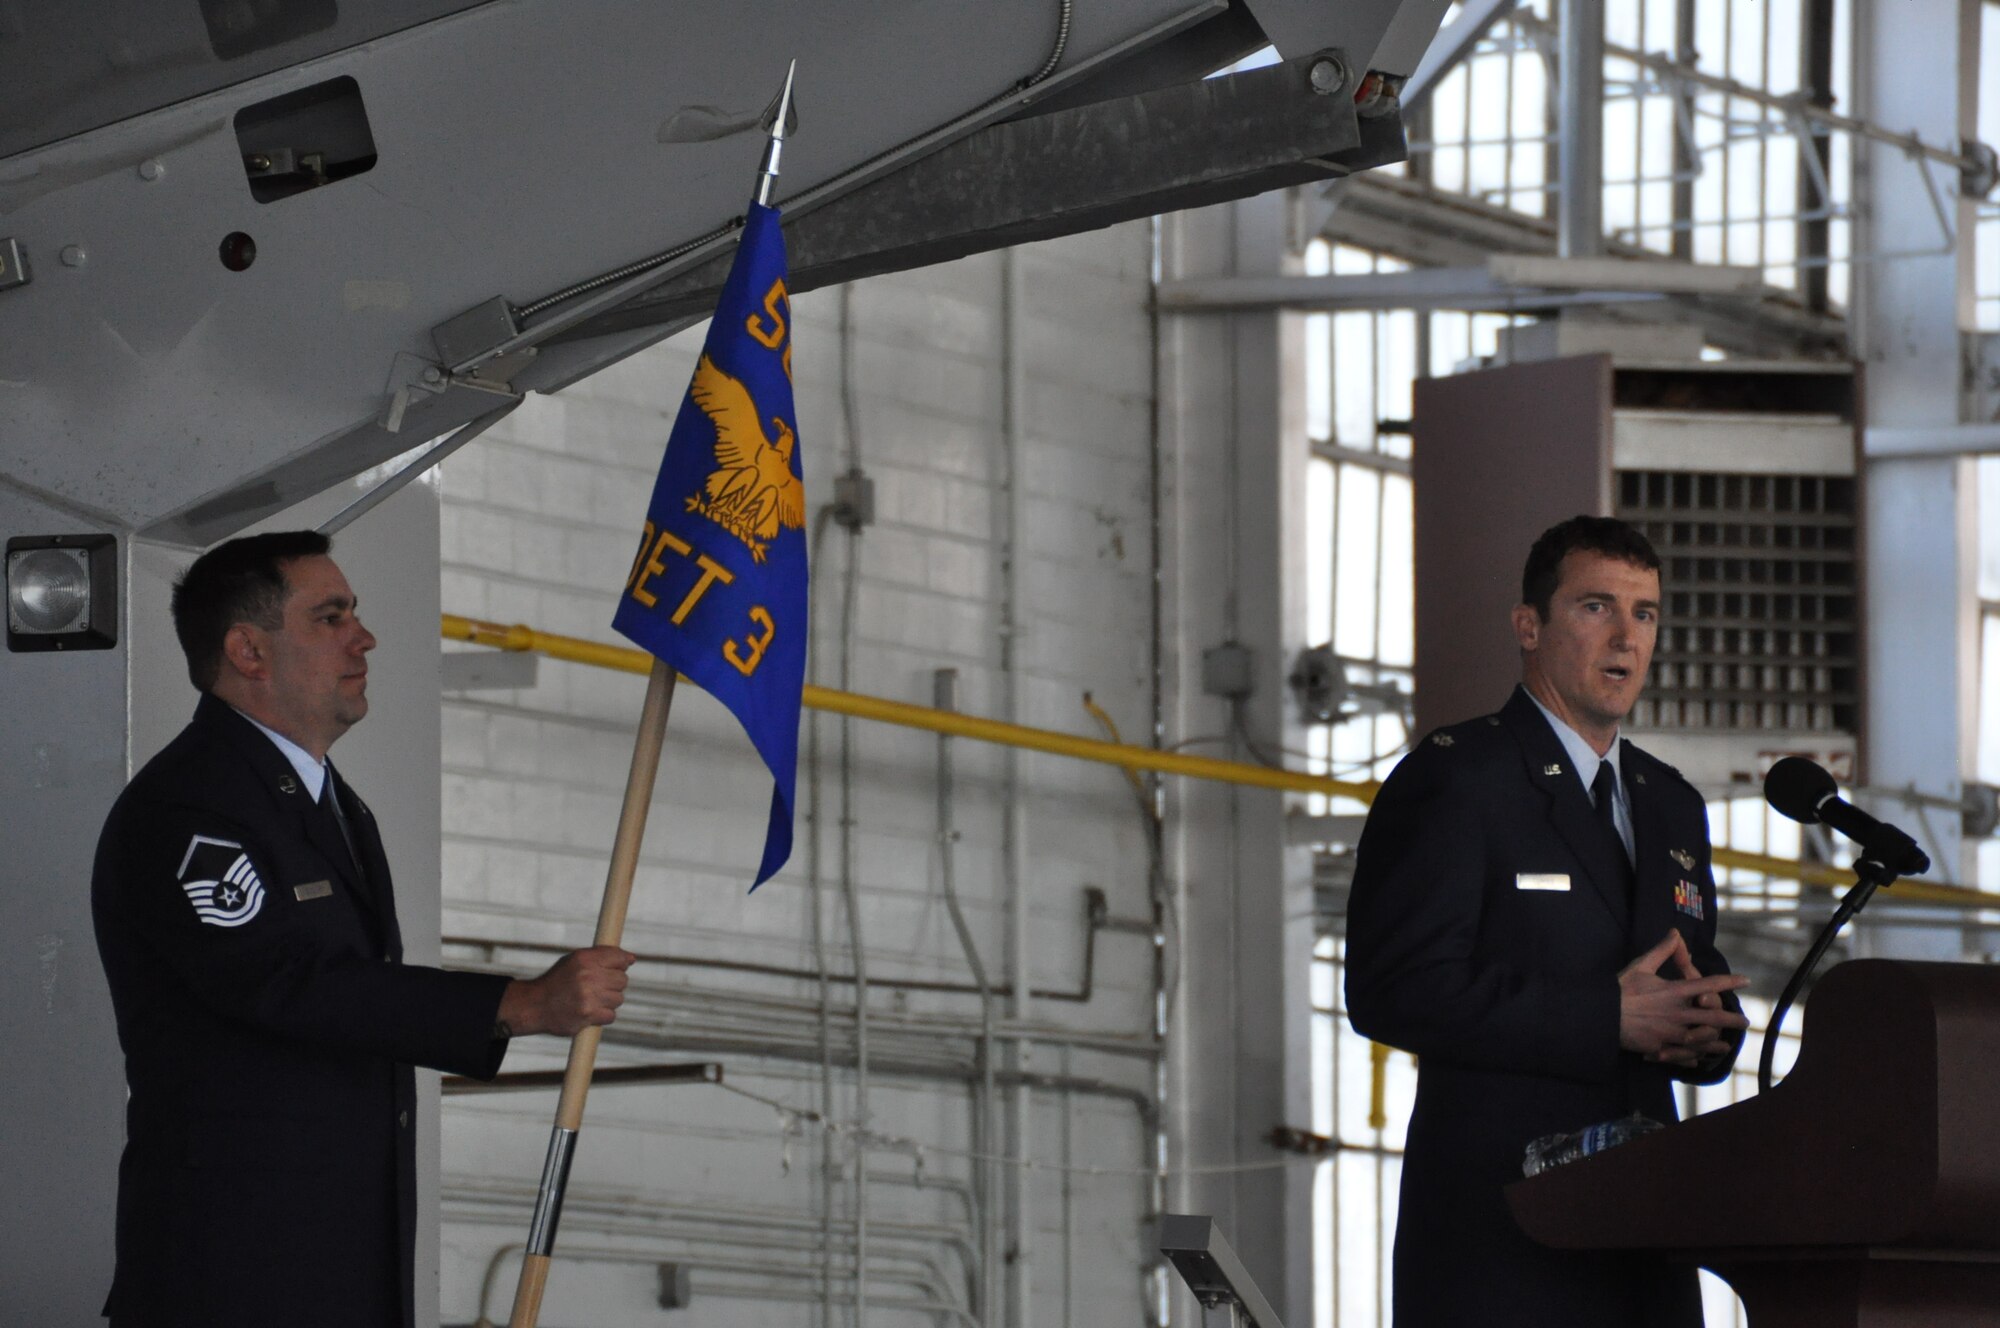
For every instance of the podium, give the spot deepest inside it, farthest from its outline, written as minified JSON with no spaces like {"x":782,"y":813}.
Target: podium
{"x":1863,"y":1191}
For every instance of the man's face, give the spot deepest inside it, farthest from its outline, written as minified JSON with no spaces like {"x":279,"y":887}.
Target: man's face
{"x":318,"y":658}
{"x":1589,"y":660}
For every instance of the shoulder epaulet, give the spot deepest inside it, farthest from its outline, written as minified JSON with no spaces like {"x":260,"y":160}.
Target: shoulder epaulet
{"x":1663,"y":768}
{"x":1476,"y":732}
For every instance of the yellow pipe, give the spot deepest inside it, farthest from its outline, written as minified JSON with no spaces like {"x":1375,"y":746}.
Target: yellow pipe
{"x":629,"y":660}
{"x":626,"y":659}
{"x":1378,"y":1086}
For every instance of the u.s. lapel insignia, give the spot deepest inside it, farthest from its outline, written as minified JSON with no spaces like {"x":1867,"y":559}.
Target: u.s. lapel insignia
{"x":286,"y":784}
{"x":1638,"y":776}
{"x":1552,"y":768}
{"x":1682,"y":858}
{"x":1443,"y":739}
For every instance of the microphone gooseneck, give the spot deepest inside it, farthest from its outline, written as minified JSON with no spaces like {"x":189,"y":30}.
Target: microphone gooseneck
{"x":1797,"y":788}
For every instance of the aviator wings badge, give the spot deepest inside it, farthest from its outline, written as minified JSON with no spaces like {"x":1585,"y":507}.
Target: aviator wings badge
{"x":752,"y":492}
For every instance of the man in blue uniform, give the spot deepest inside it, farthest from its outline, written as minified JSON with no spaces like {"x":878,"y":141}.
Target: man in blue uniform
{"x":247,"y":924}
{"x":1533,"y":916}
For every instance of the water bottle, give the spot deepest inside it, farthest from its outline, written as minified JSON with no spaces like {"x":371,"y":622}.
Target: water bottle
{"x":1552,"y":1150}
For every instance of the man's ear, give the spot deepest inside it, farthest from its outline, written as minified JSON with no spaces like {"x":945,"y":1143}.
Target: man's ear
{"x":246,"y":650}
{"x":1527,"y":626}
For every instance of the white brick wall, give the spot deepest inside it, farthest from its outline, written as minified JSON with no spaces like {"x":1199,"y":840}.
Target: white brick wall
{"x":538,"y":525}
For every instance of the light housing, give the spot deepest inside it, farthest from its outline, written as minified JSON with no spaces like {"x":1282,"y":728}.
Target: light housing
{"x":62,"y":592}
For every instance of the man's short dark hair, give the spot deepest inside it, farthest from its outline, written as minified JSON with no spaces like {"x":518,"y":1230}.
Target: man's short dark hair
{"x":1593,"y":534}
{"x":241,"y":581}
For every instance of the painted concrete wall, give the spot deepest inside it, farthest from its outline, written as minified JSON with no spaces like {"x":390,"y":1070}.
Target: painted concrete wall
{"x":62,"y":761}
{"x":539,"y":521}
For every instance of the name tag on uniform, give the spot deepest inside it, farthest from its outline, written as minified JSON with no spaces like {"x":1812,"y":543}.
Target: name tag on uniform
{"x":1541,"y":881}
{"x":321,"y":889}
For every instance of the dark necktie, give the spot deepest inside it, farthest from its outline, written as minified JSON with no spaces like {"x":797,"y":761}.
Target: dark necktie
{"x":330,"y":803}
{"x":1604,"y":795}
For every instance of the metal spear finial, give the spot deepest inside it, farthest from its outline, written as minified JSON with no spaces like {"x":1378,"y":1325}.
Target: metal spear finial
{"x":767,"y":174}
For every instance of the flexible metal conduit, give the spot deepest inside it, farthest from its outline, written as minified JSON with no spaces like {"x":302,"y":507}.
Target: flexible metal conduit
{"x":624,"y":659}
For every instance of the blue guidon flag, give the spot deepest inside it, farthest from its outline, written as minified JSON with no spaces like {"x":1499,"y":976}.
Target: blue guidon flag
{"x":717,"y":589}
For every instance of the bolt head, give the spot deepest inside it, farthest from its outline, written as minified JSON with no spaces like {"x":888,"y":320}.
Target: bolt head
{"x":152,"y":169}
{"x":1327,"y":76}
{"x":433,"y":374}
{"x":74,"y":255}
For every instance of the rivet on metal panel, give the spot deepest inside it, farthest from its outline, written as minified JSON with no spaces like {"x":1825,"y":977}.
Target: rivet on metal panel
{"x":74,"y":255}
{"x":152,"y":169}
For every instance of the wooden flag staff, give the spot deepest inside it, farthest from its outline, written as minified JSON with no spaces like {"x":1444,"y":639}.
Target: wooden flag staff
{"x":583,"y":1047}
{"x":611,"y":914}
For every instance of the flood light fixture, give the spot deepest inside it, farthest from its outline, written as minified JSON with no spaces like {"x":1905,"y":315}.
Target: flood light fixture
{"x":62,"y":592}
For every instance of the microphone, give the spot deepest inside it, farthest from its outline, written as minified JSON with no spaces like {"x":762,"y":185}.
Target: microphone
{"x":1803,"y":791}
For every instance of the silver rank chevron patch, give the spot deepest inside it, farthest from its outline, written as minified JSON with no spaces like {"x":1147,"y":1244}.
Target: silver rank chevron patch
{"x":219,"y":881}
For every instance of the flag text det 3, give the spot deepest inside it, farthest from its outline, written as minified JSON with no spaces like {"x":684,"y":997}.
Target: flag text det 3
{"x":717,"y":588}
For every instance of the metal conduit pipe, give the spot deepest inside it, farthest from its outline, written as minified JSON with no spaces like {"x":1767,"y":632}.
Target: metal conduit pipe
{"x":961,"y":1071}
{"x":924,"y":1304}
{"x":626,"y":660}
{"x":907,"y":1247}
{"x":967,"y":1201}
{"x":857,"y":946}
{"x":705,"y":999}
{"x":1014,"y":543}
{"x":945,"y":695}
{"x":804,"y":1242}
{"x":816,"y":894}
{"x":643,"y":1215}
{"x":698,"y":1029}
{"x":1095,"y":919}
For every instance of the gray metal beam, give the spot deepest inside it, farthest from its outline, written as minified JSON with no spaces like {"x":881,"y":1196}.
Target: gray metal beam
{"x":1420,"y":224}
{"x":1454,"y":42}
{"x":1915,"y":66}
{"x":1472,"y":289}
{"x":1950,"y":440}
{"x":1070,"y":170}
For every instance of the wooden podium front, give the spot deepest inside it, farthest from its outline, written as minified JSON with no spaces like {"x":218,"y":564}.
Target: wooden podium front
{"x":1861,"y":1192}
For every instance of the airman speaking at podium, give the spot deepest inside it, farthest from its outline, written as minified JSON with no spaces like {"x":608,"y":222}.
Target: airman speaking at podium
{"x":247,"y":923}
{"x":1533,"y":916}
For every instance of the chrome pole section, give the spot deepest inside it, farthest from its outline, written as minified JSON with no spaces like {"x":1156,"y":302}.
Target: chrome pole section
{"x":549,"y":1194}
{"x":774,"y":146}
{"x":1580,"y":150}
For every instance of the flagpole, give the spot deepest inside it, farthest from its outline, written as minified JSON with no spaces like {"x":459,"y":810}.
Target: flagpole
{"x":646,"y":747}
{"x":583,"y":1047}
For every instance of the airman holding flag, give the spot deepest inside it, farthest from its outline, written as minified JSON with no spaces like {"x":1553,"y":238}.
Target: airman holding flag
{"x":716,"y":591}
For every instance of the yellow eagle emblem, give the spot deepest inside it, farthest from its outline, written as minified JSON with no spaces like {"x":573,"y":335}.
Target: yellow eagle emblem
{"x":752,"y":493}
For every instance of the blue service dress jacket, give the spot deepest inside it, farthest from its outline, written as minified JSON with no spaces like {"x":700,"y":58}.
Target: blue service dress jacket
{"x":269,"y":1027}
{"x":1490,"y":916}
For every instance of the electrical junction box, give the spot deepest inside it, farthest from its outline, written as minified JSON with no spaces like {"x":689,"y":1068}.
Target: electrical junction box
{"x":1226,"y":670}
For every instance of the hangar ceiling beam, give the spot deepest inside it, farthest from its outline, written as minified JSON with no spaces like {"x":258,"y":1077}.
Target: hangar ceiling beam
{"x":1069,"y":170}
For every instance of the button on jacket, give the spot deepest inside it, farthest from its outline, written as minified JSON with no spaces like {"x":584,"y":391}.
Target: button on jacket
{"x":269,"y":1027}
{"x":1490,"y":916}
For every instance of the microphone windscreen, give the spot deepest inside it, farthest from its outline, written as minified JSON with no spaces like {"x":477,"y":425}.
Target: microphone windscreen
{"x":1797,"y":787}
